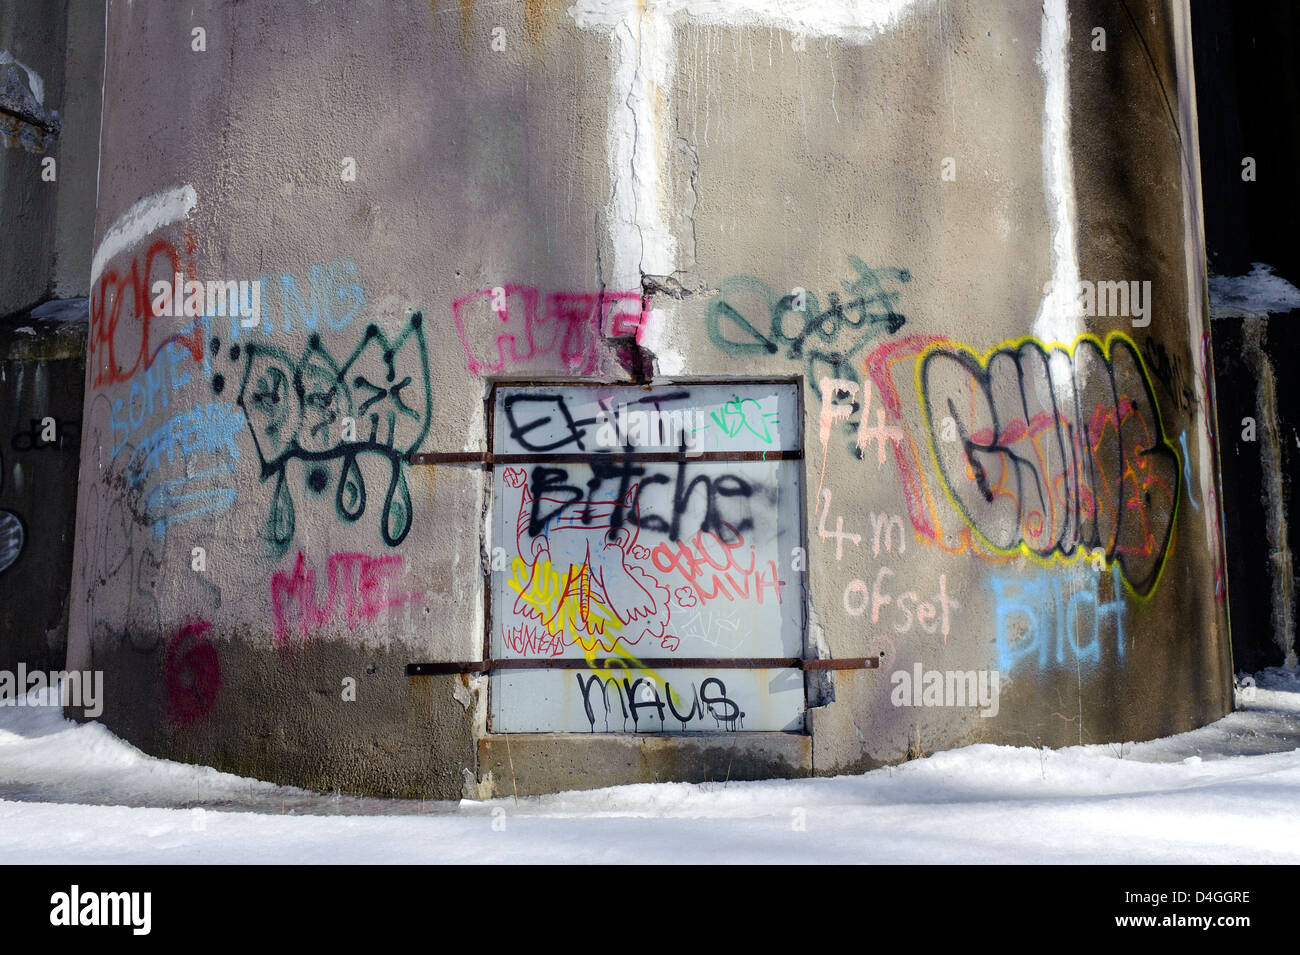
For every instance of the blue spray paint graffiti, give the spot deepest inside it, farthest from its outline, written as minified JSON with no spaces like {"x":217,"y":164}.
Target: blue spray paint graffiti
{"x":167,"y":504}
{"x":1051,"y":619}
{"x":205,"y":429}
{"x":199,"y":439}
{"x":1187,"y":470}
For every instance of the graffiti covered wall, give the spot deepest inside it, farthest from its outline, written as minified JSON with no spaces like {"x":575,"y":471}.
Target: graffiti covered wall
{"x":615,"y":558}
{"x":381,"y":473}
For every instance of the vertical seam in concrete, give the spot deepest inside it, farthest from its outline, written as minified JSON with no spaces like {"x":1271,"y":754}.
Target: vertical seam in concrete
{"x":644,"y":52}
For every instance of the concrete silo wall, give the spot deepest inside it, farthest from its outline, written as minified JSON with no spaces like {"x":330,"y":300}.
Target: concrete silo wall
{"x":997,"y":474}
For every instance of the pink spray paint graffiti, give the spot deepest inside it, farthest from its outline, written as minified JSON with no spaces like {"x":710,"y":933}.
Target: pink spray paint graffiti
{"x":509,"y":326}
{"x":359,"y":588}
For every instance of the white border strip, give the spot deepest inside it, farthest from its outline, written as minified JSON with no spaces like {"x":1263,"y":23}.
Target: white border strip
{"x":146,"y":216}
{"x":1058,"y":317}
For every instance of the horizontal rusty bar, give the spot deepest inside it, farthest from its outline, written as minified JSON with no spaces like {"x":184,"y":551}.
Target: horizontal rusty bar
{"x":488,"y":459}
{"x":653,"y":663}
{"x":450,"y":457}
{"x":437,"y":669}
{"x":847,"y":663}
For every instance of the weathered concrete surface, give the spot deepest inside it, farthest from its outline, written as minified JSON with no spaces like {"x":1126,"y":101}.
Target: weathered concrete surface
{"x":721,"y":158}
{"x":1261,"y":450}
{"x":535,"y":763}
{"x":184,"y":696}
{"x":42,"y":378}
{"x":51,"y":59}
{"x":1250,"y":219}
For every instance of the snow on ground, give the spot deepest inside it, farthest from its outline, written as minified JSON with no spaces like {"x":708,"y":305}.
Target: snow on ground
{"x":1226,"y":793}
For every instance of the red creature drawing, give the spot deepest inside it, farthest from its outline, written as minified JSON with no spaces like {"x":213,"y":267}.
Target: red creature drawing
{"x":583,"y":577}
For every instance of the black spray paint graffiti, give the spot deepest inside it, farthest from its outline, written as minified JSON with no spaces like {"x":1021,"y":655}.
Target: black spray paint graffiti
{"x":1168,"y":369}
{"x":120,"y":560}
{"x":328,"y":414}
{"x":1048,"y":450}
{"x":709,"y":701}
{"x":829,"y":342}
{"x":530,"y":415}
{"x":552,"y":497}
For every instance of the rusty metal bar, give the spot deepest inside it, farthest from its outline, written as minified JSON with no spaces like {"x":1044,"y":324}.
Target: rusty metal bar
{"x":30,"y":118}
{"x":655,"y":663}
{"x":847,"y":663}
{"x":489,"y":459}
{"x":451,"y":457}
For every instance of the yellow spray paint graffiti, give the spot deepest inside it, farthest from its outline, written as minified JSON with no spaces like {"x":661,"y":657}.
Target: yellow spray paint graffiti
{"x":564,"y":605}
{"x":1054,"y":452}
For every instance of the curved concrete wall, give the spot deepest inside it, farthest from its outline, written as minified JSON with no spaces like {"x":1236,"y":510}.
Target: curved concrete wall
{"x":993,"y":478}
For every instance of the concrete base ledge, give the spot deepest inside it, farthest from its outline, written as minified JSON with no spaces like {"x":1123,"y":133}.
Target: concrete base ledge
{"x":550,"y":762}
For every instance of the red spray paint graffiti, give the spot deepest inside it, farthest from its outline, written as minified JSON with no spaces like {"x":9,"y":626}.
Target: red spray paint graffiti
{"x":193,"y":673}
{"x":124,"y":338}
{"x":708,"y":555}
{"x":916,"y":494}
